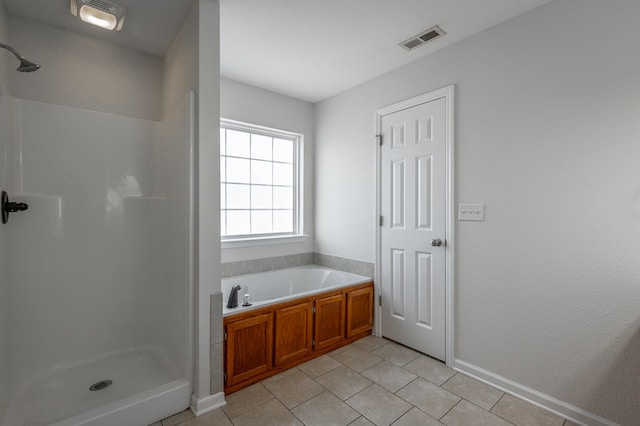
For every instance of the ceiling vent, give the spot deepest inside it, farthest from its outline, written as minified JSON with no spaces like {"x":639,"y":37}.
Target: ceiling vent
{"x":422,"y":38}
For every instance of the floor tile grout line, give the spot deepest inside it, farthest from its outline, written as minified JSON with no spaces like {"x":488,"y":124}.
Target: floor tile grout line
{"x":449,"y":410}
{"x":446,"y":381}
{"x":490,"y":412}
{"x":398,"y":418}
{"x":396,"y":392}
{"x":296,"y":416}
{"x":257,"y":406}
{"x":362,"y":414}
{"x":372,"y":382}
{"x":498,"y":415}
{"x":309,"y":399}
{"x":496,"y":403}
{"x":368,"y":386}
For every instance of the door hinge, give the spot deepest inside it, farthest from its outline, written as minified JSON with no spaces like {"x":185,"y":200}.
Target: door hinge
{"x":379,"y":138}
{"x":225,"y":335}
{"x":313,"y":343}
{"x":381,"y":221}
{"x":225,"y":377}
{"x":314,"y":309}
{"x":380,"y":300}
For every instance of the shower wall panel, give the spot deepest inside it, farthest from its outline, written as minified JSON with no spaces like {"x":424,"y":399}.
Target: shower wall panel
{"x":4,"y":140}
{"x":4,"y":319}
{"x":171,"y":181}
{"x":100,"y":261}
{"x":90,"y":258}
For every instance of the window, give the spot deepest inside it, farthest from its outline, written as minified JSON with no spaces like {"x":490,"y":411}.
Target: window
{"x":260,"y":182}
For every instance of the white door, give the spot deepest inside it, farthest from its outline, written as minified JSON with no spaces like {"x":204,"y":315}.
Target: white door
{"x":413,"y":207}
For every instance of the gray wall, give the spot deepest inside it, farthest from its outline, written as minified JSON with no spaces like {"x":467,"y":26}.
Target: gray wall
{"x":207,"y":229}
{"x":250,"y":104}
{"x":546,"y":289}
{"x":84,"y":72}
{"x":5,"y":121}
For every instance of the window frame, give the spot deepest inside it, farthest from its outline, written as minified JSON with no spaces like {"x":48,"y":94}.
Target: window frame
{"x":297,"y":235}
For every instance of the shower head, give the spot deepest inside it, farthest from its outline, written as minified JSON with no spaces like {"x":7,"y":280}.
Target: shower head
{"x":25,"y":65}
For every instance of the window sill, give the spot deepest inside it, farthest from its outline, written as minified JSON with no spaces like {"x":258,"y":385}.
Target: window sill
{"x":252,"y":242}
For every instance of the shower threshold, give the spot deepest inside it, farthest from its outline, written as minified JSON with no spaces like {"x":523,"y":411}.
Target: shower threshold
{"x":130,"y":386}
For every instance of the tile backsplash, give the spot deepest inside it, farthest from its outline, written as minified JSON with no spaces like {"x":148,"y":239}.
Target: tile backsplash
{"x":253,"y":266}
{"x":217,"y":344}
{"x":343,"y":264}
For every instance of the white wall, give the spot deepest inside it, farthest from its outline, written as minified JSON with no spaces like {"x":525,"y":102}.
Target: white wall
{"x":5,"y":56}
{"x":99,"y":261}
{"x":4,"y":125}
{"x":207,"y":226}
{"x":84,"y":72}
{"x":250,"y":104}
{"x":84,"y":250}
{"x":547,"y":136}
{"x":171,"y":239}
{"x":180,"y":65}
{"x":173,"y":153}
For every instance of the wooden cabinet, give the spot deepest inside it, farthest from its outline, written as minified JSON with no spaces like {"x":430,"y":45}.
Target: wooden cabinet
{"x":329,"y":321}
{"x":265,"y":341}
{"x":293,"y":332}
{"x":249,"y":348}
{"x":359,"y":311}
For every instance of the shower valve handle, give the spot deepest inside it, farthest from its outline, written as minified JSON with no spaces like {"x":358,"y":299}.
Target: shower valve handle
{"x":10,"y":207}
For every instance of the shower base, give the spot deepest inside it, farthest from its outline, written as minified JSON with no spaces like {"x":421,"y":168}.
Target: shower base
{"x":145,"y":387}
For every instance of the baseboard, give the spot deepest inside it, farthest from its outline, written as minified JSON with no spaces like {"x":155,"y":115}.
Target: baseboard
{"x":204,"y":405}
{"x":561,"y":408}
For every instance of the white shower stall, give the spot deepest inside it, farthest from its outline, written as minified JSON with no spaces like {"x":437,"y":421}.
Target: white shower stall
{"x":96,"y":293}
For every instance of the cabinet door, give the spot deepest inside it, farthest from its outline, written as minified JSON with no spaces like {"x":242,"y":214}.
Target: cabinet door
{"x":329,"y":325}
{"x":249,"y":347}
{"x":294,"y":326}
{"x":359,"y":311}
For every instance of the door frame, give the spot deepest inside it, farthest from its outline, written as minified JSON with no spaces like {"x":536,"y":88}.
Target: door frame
{"x":448,"y":94}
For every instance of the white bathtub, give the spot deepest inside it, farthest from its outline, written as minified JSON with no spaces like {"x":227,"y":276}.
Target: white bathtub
{"x":267,"y":288}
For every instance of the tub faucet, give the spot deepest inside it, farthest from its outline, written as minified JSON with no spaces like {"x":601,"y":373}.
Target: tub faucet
{"x":233,"y":297}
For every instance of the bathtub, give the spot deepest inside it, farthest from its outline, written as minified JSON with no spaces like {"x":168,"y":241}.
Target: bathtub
{"x":266,"y":288}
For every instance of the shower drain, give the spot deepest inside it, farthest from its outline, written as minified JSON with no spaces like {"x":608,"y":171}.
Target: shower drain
{"x":102,"y":384}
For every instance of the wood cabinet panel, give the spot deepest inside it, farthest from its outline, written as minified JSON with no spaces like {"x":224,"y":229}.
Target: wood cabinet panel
{"x":249,"y":348}
{"x":268,"y":340}
{"x":293,"y":332}
{"x":359,"y":311}
{"x":329,"y":321}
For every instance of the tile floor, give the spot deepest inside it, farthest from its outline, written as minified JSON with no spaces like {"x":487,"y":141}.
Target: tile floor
{"x":371,"y":382}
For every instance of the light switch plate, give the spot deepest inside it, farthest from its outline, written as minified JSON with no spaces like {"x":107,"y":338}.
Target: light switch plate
{"x":472,"y":212}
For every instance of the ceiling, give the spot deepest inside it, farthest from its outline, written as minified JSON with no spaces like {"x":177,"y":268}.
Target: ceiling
{"x":307,"y":49}
{"x":149,"y":25}
{"x":312,"y":49}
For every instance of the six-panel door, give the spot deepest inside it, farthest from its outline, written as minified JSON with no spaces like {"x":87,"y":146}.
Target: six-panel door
{"x":413,"y":246}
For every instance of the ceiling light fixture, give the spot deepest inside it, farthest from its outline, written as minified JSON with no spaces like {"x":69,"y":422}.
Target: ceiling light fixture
{"x":102,"y":13}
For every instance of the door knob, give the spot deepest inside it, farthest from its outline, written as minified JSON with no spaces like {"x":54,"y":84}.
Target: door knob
{"x":436,"y":242}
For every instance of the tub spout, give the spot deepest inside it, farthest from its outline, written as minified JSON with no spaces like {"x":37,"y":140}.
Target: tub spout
{"x":233,"y":297}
